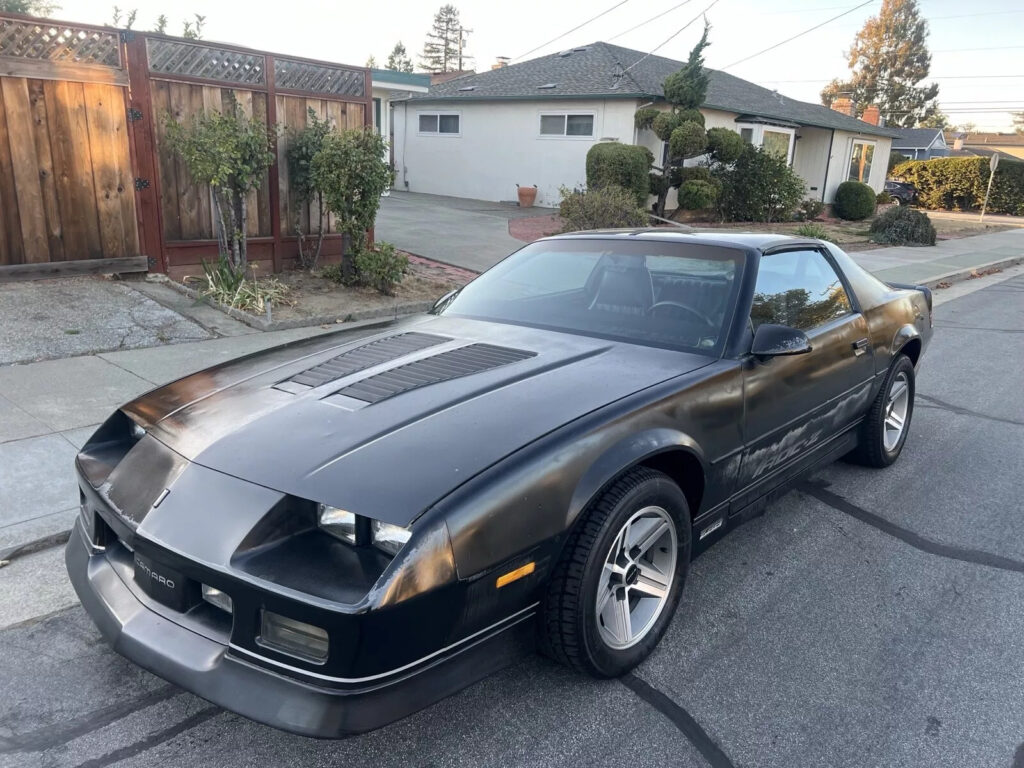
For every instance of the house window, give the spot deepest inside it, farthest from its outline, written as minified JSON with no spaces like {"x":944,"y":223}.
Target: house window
{"x":747,"y":134}
{"x":771,"y":138}
{"x":567,"y":124}
{"x":443,"y":123}
{"x":777,"y":142}
{"x":860,"y":161}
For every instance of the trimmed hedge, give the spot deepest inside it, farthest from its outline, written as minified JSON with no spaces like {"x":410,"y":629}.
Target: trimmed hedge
{"x":901,"y":225}
{"x":854,"y":201}
{"x":958,"y":183}
{"x":620,"y":165}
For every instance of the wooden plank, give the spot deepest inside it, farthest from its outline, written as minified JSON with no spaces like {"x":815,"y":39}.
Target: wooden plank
{"x":44,"y":160}
{"x":252,"y":214}
{"x":122,"y":158}
{"x":354,"y":115}
{"x":336,"y":115}
{"x":76,"y":267}
{"x":187,"y":190}
{"x":284,"y":204}
{"x":12,"y":249}
{"x":26,"y":173}
{"x":108,"y":182}
{"x":168,"y":170}
{"x":204,"y":203}
{"x":259,"y":111}
{"x":295,"y":108}
{"x":72,"y":170}
{"x":67,"y":71}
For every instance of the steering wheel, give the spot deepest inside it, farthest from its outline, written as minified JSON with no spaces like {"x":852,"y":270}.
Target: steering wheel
{"x":688,"y":310}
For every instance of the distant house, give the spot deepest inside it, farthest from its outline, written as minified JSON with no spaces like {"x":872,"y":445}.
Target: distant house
{"x":479,"y":135}
{"x":1008,"y":145}
{"x":920,"y":143}
{"x":388,"y":84}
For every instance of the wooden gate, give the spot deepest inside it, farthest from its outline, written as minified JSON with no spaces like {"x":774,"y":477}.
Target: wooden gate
{"x":67,"y":196}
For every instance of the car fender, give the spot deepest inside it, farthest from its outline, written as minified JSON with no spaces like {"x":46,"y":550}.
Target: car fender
{"x":899,"y":340}
{"x":628,"y":452}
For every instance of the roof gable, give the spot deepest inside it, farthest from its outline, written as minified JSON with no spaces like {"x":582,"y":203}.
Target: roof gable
{"x":917,"y":138}
{"x":602,"y":70}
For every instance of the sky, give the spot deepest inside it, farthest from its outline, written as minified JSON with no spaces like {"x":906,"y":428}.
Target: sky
{"x":977,"y":47}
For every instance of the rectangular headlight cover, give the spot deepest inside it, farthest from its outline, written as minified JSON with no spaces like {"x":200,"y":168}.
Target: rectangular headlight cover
{"x":337,"y":522}
{"x":295,"y":638}
{"x":388,"y":537}
{"x":216,"y":598}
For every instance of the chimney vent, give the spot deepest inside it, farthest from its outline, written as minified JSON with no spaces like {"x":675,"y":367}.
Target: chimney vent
{"x":502,"y":62}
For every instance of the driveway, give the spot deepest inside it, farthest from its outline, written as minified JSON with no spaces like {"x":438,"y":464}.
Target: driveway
{"x":472,"y":234}
{"x":868,"y":619}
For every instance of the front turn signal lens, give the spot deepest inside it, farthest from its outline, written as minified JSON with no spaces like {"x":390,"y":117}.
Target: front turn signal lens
{"x":296,"y":638}
{"x":388,"y":537}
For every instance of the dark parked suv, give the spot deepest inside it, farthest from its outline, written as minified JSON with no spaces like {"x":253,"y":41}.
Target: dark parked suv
{"x":900,"y":192}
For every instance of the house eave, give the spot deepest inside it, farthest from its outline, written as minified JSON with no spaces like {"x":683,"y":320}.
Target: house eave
{"x":529,"y":97}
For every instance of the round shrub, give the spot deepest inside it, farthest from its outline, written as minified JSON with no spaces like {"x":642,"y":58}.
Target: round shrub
{"x":696,"y":194}
{"x":854,"y":201}
{"x":621,"y":165}
{"x":643,"y":118}
{"x":664,"y":124}
{"x":381,"y":267}
{"x":688,"y":140}
{"x":901,"y":225}
{"x":603,"y":208}
{"x":691,"y":116}
{"x":724,"y":145}
{"x":883,"y":198}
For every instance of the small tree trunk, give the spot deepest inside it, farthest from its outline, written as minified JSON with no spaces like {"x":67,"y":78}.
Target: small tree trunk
{"x":222,"y":228}
{"x":320,"y":231}
{"x":348,"y":271}
{"x":243,"y":242}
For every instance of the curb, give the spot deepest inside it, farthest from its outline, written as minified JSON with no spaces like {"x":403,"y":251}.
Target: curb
{"x":384,"y":313}
{"x":969,"y":273}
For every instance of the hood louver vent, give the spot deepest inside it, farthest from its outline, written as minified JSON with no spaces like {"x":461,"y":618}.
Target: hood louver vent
{"x":359,"y":359}
{"x":464,"y":361}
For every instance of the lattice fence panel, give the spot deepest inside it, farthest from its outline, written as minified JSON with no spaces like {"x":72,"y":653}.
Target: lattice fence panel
{"x":171,"y":57}
{"x":59,"y":42}
{"x":318,"y":78}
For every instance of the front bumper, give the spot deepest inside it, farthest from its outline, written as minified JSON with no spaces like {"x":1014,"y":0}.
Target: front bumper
{"x":136,"y":629}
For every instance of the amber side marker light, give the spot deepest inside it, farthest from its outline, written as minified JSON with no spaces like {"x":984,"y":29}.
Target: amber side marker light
{"x":518,"y":573}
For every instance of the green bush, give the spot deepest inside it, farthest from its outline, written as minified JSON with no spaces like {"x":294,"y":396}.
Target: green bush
{"x":895,"y":158}
{"x":602,"y":208}
{"x":724,"y":145}
{"x":959,"y":183}
{"x":620,"y":165}
{"x":901,"y":225}
{"x":381,"y":267}
{"x":688,"y":140}
{"x":759,"y":187}
{"x":814,"y":230}
{"x":810,"y":210}
{"x":664,"y":124}
{"x":854,"y":201}
{"x":883,"y":198}
{"x":643,"y":118}
{"x":696,"y":194}
{"x":691,"y":116}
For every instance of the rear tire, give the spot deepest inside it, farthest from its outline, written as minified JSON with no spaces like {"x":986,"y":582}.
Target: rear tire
{"x":887,"y":424}
{"x":616,"y":586}
{"x":896,"y":200}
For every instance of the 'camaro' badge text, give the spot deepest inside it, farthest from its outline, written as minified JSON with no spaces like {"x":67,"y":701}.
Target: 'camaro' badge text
{"x":169,"y":583}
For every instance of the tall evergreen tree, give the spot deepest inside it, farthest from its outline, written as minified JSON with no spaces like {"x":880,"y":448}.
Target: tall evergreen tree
{"x":398,"y":59}
{"x":889,"y":60}
{"x":442,"y":50}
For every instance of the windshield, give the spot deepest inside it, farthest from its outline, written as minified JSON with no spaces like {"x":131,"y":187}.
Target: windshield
{"x":676,"y":295}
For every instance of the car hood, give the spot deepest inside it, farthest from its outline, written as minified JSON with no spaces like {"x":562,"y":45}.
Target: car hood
{"x":387,"y":425}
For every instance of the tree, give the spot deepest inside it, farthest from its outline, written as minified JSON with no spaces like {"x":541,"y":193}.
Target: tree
{"x":231,"y":153}
{"x":28,"y":7}
{"x":938,"y":120}
{"x":371,"y":62}
{"x":443,"y":50}
{"x":193,"y":30}
{"x":302,"y":148}
{"x":398,"y":59}
{"x":888,"y":61}
{"x":1018,"y":121}
{"x":161,"y":24}
{"x":351,"y":170}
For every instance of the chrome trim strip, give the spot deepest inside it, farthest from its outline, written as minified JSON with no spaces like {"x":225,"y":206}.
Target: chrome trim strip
{"x":508,"y":622}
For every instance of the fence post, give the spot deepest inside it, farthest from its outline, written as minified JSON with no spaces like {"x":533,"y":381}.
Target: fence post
{"x":143,"y":151}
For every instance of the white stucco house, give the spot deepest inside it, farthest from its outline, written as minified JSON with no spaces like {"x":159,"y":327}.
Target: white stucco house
{"x":532,"y":123}
{"x":388,"y":84}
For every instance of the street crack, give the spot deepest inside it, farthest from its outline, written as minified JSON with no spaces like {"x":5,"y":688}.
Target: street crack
{"x":916,"y":540}
{"x":943,"y":405}
{"x":153,"y":740}
{"x":682,"y":720}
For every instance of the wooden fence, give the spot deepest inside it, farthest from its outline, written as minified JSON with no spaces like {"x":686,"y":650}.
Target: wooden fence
{"x":86,"y":177}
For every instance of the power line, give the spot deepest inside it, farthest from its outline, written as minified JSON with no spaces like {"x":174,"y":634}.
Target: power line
{"x":645,"y":23}
{"x":671,"y":37}
{"x":972,"y":15}
{"x":578,"y":26}
{"x":800,"y":34}
{"x":940,"y":77}
{"x":993,"y":48}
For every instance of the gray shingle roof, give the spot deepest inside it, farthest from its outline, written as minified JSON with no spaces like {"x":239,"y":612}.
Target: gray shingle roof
{"x":914,"y":138}
{"x":610,"y":71}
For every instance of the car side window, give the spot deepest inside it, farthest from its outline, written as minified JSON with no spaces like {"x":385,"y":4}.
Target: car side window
{"x":799,"y":289}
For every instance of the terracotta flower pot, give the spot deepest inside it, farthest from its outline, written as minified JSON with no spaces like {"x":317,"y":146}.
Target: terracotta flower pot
{"x":527,"y":196}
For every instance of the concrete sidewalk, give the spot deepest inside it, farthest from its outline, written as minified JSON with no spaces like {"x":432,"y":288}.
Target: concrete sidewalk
{"x":48,"y":409}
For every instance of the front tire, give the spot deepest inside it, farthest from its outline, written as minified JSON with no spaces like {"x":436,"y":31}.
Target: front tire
{"x":617,"y":584}
{"x":885,"y":428}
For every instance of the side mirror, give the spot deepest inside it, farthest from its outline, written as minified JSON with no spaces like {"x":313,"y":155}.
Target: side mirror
{"x":775,"y":340}
{"x":443,"y":302}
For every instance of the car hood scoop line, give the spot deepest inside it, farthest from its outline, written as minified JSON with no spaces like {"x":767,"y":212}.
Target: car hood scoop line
{"x":359,"y":359}
{"x":453,"y":364}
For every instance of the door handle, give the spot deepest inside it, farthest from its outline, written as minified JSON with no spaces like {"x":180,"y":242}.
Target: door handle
{"x":860,"y":346}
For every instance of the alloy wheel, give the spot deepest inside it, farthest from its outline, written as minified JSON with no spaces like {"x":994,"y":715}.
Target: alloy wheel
{"x":637,"y":576}
{"x":896,"y":409}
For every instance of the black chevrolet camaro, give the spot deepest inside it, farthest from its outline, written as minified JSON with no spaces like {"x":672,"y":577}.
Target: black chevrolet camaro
{"x":332,"y":534}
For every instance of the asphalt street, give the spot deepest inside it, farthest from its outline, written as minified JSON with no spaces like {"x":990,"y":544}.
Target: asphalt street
{"x":870,"y":618}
